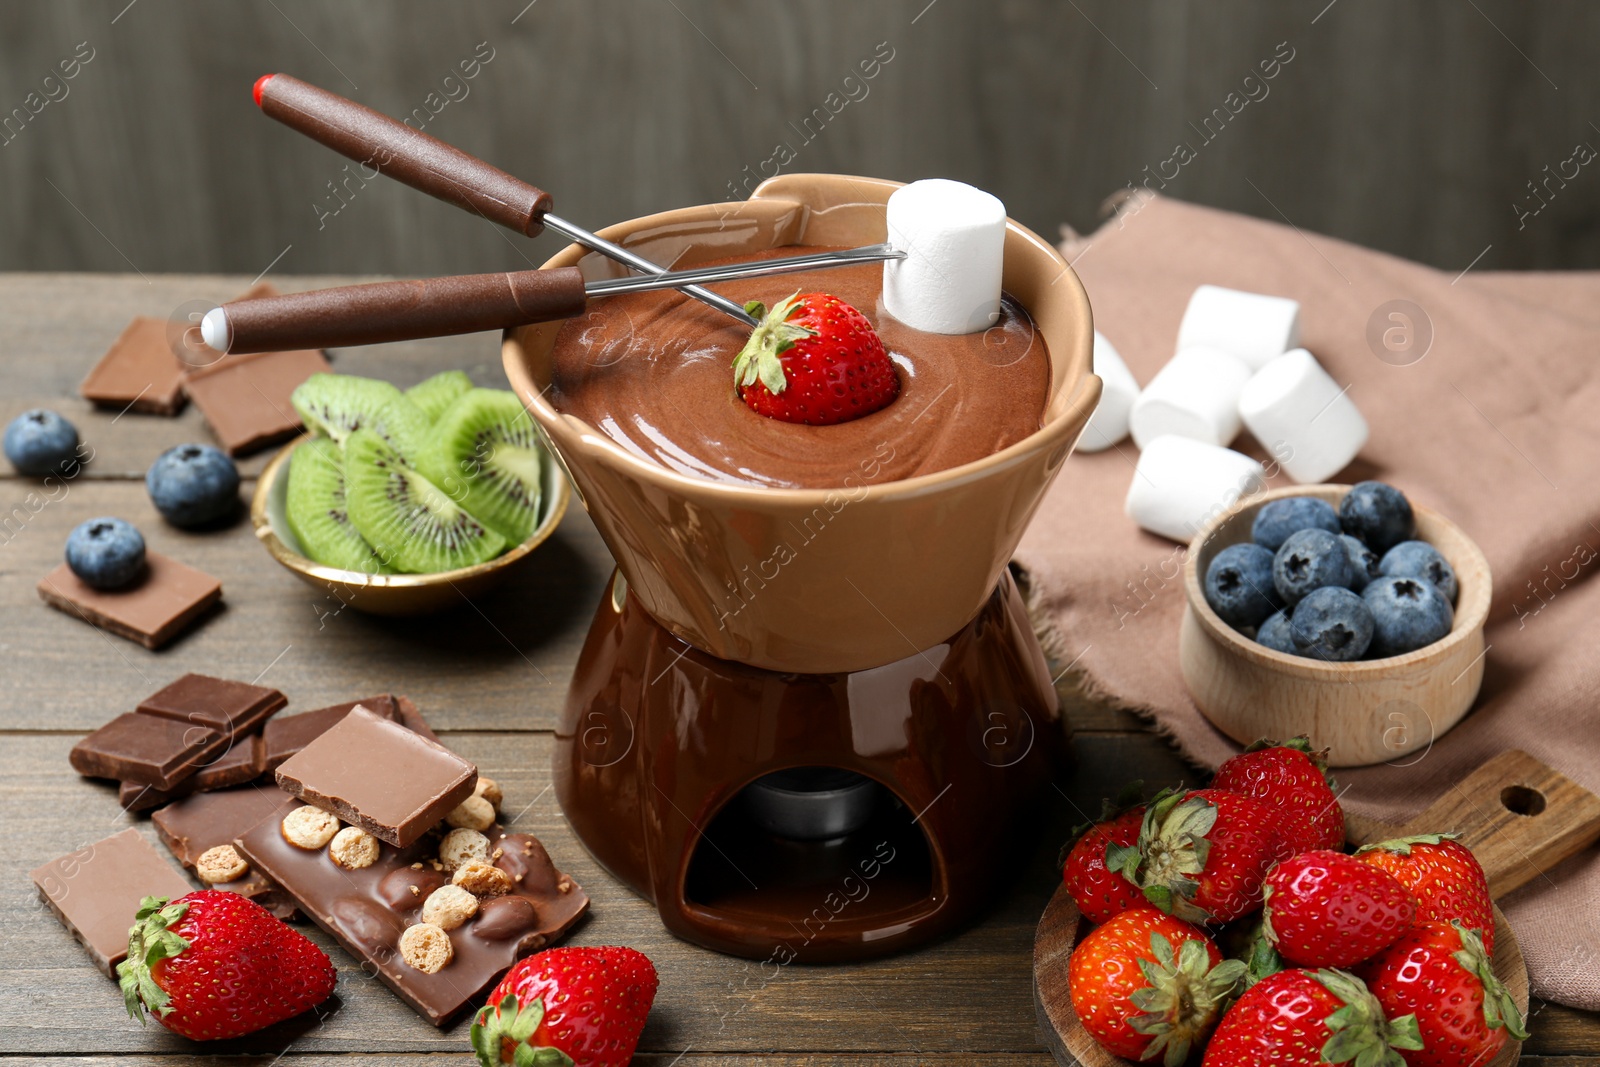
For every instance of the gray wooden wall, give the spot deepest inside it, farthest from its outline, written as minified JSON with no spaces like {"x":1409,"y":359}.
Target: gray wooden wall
{"x":1415,"y":126}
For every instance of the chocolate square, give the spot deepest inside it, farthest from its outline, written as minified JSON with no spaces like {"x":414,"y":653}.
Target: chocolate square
{"x":245,"y":398}
{"x":145,"y":749}
{"x":378,"y":775}
{"x":95,"y":891}
{"x":169,"y":598}
{"x":139,"y":372}
{"x":235,"y":707}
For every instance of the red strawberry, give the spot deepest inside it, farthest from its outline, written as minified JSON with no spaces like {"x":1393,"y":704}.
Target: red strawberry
{"x":1295,"y":779}
{"x":1100,"y":893}
{"x":1444,"y":876}
{"x":1441,"y":973}
{"x":1308,"y":1019}
{"x":1146,"y":985}
{"x":814,"y":359}
{"x":1326,"y":909}
{"x":566,"y":1006}
{"x":211,"y":965}
{"x":1203,"y":855}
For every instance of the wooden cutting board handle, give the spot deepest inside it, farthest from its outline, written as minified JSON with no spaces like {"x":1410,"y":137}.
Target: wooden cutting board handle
{"x":1519,"y":816}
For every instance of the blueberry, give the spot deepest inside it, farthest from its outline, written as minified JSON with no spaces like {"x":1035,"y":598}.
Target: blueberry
{"x":192,"y":485}
{"x":1363,"y":562}
{"x":1239,"y":585}
{"x":1409,"y":613}
{"x":41,"y":442}
{"x":1418,"y":559}
{"x":1280,"y":518}
{"x":1309,"y":559}
{"x":106,"y":553}
{"x":1331,"y":624}
{"x":1377,"y":514}
{"x":1274,"y":633}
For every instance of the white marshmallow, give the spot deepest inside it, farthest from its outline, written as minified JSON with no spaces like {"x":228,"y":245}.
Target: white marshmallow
{"x":1253,"y":327}
{"x":1180,"y":484}
{"x":954,"y":239}
{"x":1299,"y":413}
{"x":1195,"y":395}
{"x":1118,"y":391}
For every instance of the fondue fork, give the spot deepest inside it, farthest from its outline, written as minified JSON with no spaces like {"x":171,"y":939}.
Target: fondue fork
{"x":437,"y":307}
{"x":428,"y":164}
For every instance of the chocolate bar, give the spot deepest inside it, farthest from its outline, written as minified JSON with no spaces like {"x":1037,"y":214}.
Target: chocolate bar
{"x":245,"y":399}
{"x":96,"y":891}
{"x":368,"y":908}
{"x":162,"y":605}
{"x":176,"y":731}
{"x":192,"y":825}
{"x":399,"y":788}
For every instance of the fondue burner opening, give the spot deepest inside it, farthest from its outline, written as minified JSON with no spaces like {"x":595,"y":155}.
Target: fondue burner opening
{"x":811,"y":803}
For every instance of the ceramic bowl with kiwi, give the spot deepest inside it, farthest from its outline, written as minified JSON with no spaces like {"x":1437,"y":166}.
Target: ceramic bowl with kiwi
{"x":404,"y":502}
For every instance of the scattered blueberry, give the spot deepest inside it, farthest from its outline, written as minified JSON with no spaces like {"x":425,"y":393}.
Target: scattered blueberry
{"x":1363,"y":562}
{"x":41,"y":442}
{"x":192,"y":485}
{"x":1280,"y":518}
{"x":1377,"y":514}
{"x":1332,"y":624}
{"x":106,"y":553}
{"x":1309,"y":559}
{"x":1274,"y":633}
{"x":1418,"y":559}
{"x":1408,"y":613}
{"x":1239,"y":585}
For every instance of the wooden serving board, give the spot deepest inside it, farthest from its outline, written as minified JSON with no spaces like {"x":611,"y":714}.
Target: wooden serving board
{"x":1519,"y":817}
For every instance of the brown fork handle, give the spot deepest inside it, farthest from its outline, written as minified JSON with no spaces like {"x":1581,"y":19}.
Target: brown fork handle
{"x":402,"y":311}
{"x":410,"y":156}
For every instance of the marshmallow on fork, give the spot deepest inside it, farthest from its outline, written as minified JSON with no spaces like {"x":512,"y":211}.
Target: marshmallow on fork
{"x":1109,"y":423}
{"x":954,"y":239}
{"x":1254,"y":327}
{"x":1180,"y":484}
{"x":1298,"y":412}
{"x":1196,"y":395}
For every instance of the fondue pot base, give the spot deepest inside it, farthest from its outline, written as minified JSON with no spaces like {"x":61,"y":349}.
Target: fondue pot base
{"x":808,"y":817}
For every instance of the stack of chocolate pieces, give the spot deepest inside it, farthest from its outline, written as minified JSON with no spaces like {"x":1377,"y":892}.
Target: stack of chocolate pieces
{"x":156,"y":365}
{"x":423,"y":885}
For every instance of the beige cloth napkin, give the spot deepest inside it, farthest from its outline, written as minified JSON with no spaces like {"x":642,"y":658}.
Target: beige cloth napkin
{"x":1497,"y":426}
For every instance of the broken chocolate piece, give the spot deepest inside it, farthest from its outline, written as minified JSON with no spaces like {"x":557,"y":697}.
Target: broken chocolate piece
{"x":138,"y":373}
{"x":96,"y":891}
{"x":245,"y":399}
{"x":145,"y":749}
{"x":288,"y":734}
{"x":162,"y":605}
{"x":236,"y":708}
{"x":398,"y":789}
{"x":367,"y":910}
{"x":245,"y":761}
{"x":191,"y":826}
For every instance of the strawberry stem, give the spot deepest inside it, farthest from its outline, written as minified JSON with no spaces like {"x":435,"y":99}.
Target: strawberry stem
{"x":774,"y":335}
{"x":150,"y":940}
{"x":499,"y":1024}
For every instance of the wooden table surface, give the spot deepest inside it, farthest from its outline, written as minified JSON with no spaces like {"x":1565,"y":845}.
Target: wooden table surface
{"x":490,"y":677}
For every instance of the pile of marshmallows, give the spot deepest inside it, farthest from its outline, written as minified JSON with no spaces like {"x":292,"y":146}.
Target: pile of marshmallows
{"x":1238,"y":362}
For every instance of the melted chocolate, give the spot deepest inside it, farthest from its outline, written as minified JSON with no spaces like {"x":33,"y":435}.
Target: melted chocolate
{"x":654,"y":372}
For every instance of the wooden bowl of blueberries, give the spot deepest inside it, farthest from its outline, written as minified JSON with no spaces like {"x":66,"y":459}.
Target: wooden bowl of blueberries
{"x":1347,"y":613}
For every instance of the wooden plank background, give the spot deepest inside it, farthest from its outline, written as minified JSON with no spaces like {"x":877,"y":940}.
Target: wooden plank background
{"x":490,"y":677}
{"x":1414,"y":127}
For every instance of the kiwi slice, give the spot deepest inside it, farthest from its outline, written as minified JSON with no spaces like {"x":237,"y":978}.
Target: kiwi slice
{"x":412,"y":524}
{"x":435,"y":394}
{"x":315,"y":509}
{"x":484,"y":451}
{"x":336,"y":404}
